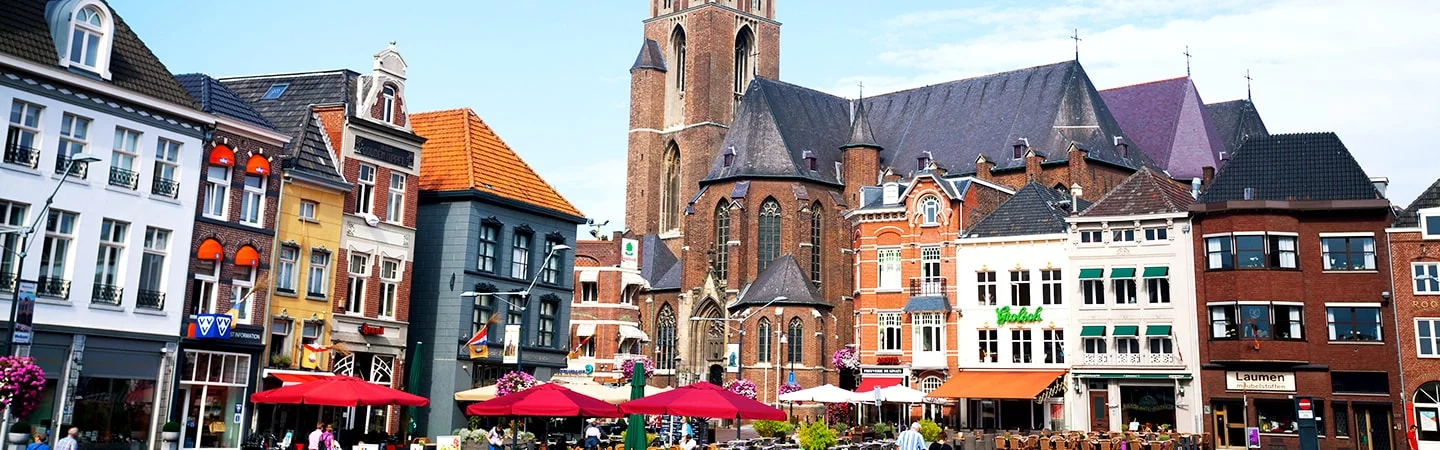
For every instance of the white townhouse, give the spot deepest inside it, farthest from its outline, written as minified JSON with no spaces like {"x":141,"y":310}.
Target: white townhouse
{"x":1135,"y":357}
{"x":1014,"y":310}
{"x":108,"y":258}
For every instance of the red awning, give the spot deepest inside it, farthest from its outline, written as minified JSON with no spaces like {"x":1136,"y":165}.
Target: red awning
{"x":222,"y":155}
{"x":210,"y":250}
{"x":869,"y":384}
{"x":257,"y":165}
{"x":247,"y":256}
{"x":291,"y":379}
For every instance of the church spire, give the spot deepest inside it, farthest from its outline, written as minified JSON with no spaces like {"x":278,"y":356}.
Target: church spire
{"x":860,"y":135}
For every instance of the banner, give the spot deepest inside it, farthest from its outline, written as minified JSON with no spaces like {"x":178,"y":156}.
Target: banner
{"x":25,"y":314}
{"x":511,"y":354}
{"x":629,"y":253}
{"x":732,"y":358}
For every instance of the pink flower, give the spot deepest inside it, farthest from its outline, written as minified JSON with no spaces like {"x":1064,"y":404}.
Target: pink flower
{"x":21,"y":383}
{"x":743,"y":387}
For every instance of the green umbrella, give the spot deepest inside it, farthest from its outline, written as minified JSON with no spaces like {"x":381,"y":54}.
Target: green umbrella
{"x":635,"y":438}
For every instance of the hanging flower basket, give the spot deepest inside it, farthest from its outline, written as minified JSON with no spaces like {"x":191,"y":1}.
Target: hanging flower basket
{"x":514,"y":381}
{"x":627,"y":368}
{"x":743,"y":387}
{"x":846,"y":358}
{"x":21,"y":382}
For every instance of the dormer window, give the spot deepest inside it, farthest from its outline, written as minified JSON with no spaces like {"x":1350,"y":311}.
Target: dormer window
{"x":922,"y":161}
{"x":810,"y":161}
{"x":930,"y":210}
{"x":729,"y":156}
{"x":85,"y":40}
{"x":387,"y":100}
{"x":83,"y":32}
{"x":1430,"y":224}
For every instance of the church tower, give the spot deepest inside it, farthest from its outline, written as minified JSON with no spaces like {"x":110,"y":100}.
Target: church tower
{"x":696,"y":60}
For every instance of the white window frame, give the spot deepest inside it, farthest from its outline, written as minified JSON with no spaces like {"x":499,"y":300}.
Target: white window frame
{"x":1092,"y":236}
{"x":31,"y":121}
{"x":395,"y":205}
{"x":1022,"y":345}
{"x":488,"y":245}
{"x":930,"y":210}
{"x":890,"y":322}
{"x":1020,"y":287}
{"x":1127,"y":345}
{"x":315,"y":275}
{"x":241,"y":287}
{"x":1156,"y":234}
{"x":355,"y":295}
{"x":110,"y":259}
{"x":74,"y":134}
{"x":1432,"y":326}
{"x":1425,"y":271}
{"x":1427,"y":215}
{"x":589,"y":293}
{"x":365,"y":189}
{"x":933,"y":324}
{"x":1165,"y":342}
{"x":1053,"y":339}
{"x":1052,"y":291}
{"x":55,"y":234}
{"x":987,"y":286}
{"x":167,"y":160}
{"x":390,"y":286}
{"x":93,"y":54}
{"x":157,"y":243}
{"x":217,"y":192}
{"x":209,"y":281}
{"x":989,"y":349}
{"x":12,"y":218}
{"x":1120,"y":287}
{"x":387,"y":100}
{"x":252,"y":201}
{"x":1094,"y":345}
{"x":887,"y":265}
{"x":1373,"y":253}
{"x":124,"y":150}
{"x":1151,"y":284}
{"x":520,"y":254}
{"x":285,"y":268}
{"x":308,"y":210}
{"x":1122,"y":234}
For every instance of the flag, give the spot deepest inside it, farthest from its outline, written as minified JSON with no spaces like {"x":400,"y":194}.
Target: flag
{"x":576,"y":352}
{"x":479,"y":344}
{"x":310,"y":356}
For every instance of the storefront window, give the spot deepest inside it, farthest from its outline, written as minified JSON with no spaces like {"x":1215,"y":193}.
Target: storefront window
{"x":112,"y":413}
{"x":213,"y":386}
{"x":1276,"y":416}
{"x":1148,"y":406}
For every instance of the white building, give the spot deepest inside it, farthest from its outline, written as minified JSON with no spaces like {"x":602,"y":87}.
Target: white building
{"x":1015,"y":310}
{"x":1134,"y":354}
{"x":110,"y":254}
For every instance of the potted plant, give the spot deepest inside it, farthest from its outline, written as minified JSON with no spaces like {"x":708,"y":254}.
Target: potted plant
{"x":170,"y":432}
{"x":817,"y":436}
{"x":278,"y":360}
{"x":19,"y":433}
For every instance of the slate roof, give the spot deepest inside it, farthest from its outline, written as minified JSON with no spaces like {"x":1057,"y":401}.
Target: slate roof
{"x":291,"y":110}
{"x":782,"y":278}
{"x":1235,"y":121}
{"x":650,"y":57}
{"x":1052,"y":106}
{"x":1169,"y":121}
{"x":860,"y":132}
{"x":1034,"y":209}
{"x":311,"y":151}
{"x":657,"y":265}
{"x":1144,"y":192}
{"x":1292,"y":167}
{"x":462,"y":152}
{"x":215,"y":98}
{"x":1410,"y":217}
{"x":927,"y":303}
{"x":25,"y":34}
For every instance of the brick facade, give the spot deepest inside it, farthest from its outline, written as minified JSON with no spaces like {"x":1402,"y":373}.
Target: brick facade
{"x":230,"y":233}
{"x":1408,"y":247}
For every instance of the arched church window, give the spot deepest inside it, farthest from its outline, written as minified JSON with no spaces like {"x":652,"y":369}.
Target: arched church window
{"x":816,"y":228}
{"x":744,"y":59}
{"x":769,"y":234}
{"x":670,"y":192}
{"x":763,"y":341}
{"x":665,"y":338}
{"x":722,"y":237}
{"x":677,"y":54}
{"x":797,"y":336}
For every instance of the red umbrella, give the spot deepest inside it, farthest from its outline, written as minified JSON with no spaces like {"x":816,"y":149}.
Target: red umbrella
{"x":339,"y":390}
{"x":702,"y":400}
{"x":545,"y":400}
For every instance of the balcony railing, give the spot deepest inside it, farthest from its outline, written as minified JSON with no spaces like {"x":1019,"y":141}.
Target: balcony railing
{"x":150,"y":299}
{"x":53,"y":287}
{"x":21,"y":155}
{"x":1130,"y":359}
{"x":123,"y":178}
{"x":7,"y":282}
{"x":165,"y":187}
{"x":106,"y":293}
{"x":928,"y":286}
{"x":77,"y":170}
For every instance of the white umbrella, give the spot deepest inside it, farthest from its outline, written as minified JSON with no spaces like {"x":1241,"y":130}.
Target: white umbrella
{"x":901,"y":394}
{"x":821,"y":394}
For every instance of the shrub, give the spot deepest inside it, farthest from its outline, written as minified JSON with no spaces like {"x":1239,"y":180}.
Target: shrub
{"x":817,"y":436}
{"x":20,"y":427}
{"x":929,"y":430}
{"x":882,"y":428}
{"x":773,"y":428}
{"x":171,"y":427}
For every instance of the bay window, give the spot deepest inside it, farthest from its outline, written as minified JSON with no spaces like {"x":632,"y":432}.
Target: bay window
{"x":1251,"y":250}
{"x":1247,"y":320}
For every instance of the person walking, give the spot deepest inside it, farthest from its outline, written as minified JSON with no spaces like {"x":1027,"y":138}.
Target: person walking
{"x":315,"y":437}
{"x":911,"y":439}
{"x":39,"y":442}
{"x":327,"y":439}
{"x":68,"y":442}
{"x":1413,"y":437}
{"x":592,"y":436}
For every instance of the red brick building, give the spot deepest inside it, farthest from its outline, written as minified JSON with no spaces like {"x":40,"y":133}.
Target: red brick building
{"x":606,"y":312}
{"x":1292,"y":296}
{"x":1415,"y":266}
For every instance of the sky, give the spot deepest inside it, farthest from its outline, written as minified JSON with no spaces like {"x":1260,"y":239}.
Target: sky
{"x":552,"y":77}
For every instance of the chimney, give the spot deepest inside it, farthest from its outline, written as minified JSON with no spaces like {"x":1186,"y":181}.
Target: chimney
{"x":891,"y":193}
{"x":1122,"y":147}
{"x":1380,"y":184}
{"x":1207,"y":174}
{"x":1075,"y":192}
{"x":1195,"y":184}
{"x":1249,"y":193}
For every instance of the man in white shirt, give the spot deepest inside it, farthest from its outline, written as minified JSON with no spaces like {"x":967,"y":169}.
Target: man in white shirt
{"x":315,"y":437}
{"x":911,"y":439}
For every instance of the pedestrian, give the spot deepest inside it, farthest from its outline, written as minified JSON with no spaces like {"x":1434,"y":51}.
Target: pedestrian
{"x":592,"y":436}
{"x":497,"y":438}
{"x":327,"y":439}
{"x":1414,"y":438}
{"x":687,"y":443}
{"x":315,"y":437}
{"x":68,"y":442}
{"x":39,"y":442}
{"x":911,"y":439}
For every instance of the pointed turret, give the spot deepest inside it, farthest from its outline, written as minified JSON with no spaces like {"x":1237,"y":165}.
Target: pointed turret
{"x":860,"y":135}
{"x":860,"y":156}
{"x":650,"y":57}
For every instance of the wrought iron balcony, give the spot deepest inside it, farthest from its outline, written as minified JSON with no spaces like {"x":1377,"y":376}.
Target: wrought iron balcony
{"x":53,"y":287}
{"x":928,"y":286}
{"x":77,"y":170}
{"x":1130,"y":359}
{"x":150,"y":299}
{"x":106,"y":293}
{"x":165,"y":187}
{"x":21,"y":155}
{"x":123,"y":178}
{"x":7,"y":282}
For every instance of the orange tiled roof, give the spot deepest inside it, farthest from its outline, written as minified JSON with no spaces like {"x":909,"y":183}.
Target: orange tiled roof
{"x":462,"y":152}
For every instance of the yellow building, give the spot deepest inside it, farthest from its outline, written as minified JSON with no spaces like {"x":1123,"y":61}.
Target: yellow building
{"x":312,"y":203}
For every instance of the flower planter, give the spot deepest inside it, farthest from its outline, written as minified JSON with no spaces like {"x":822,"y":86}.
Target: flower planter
{"x":17,"y":438}
{"x":170,"y":436}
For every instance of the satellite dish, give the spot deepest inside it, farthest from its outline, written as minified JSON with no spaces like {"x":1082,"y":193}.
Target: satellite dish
{"x":371,"y":220}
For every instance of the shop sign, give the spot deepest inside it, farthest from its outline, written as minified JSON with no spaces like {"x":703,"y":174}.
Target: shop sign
{"x":629,"y":253}
{"x":248,"y":334}
{"x":212,"y":326}
{"x":1004,"y":315}
{"x":371,"y":330}
{"x":890,"y":360}
{"x":893,"y":371}
{"x":1260,"y":381}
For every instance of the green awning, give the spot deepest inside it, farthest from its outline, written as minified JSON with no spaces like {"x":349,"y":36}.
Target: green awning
{"x":1087,"y":274}
{"x":1092,"y":331}
{"x":1157,"y":330}
{"x":1127,"y":330}
{"x":1156,"y":272}
{"x":1122,"y":272}
{"x":1143,"y":376}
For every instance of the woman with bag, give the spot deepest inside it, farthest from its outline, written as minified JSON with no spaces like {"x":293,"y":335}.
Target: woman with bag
{"x":327,"y":439}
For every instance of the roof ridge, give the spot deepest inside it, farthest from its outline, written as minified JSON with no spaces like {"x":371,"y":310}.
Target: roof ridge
{"x":990,"y":75}
{"x":1145,"y":83}
{"x":467,"y":115}
{"x":312,"y":73}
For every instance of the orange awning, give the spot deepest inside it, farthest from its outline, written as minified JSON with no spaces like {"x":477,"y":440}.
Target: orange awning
{"x":996,"y":384}
{"x":247,"y":256}
{"x":257,"y":165}
{"x":210,"y":250}
{"x":222,"y":155}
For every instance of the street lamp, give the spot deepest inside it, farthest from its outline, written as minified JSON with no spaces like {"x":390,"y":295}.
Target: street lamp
{"x":520,"y":364}
{"x":25,"y":233}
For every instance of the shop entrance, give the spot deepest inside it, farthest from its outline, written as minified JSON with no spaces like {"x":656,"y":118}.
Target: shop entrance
{"x":215,"y":403}
{"x":1148,"y":406}
{"x":1373,"y":425}
{"x":1229,"y":423}
{"x":1427,"y":415}
{"x":1099,"y":409}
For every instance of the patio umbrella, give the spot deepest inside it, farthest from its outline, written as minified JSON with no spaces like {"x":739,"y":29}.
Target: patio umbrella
{"x":544,"y":400}
{"x":339,"y":390}
{"x":635,"y":437}
{"x":820,"y":394}
{"x":704,"y":400}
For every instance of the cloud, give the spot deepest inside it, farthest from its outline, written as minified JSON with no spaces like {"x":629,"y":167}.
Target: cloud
{"x":1361,"y":69}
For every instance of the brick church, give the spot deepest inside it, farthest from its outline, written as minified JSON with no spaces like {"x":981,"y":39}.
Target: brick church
{"x":739,"y":184}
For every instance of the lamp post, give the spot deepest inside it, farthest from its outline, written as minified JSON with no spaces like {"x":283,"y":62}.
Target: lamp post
{"x":25,"y":233}
{"x":740,"y":354}
{"x":784,"y":341}
{"x":519,"y":363}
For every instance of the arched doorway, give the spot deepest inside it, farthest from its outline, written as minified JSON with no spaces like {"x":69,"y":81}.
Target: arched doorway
{"x":717,"y":375}
{"x":710,"y":335}
{"x":1427,"y":414}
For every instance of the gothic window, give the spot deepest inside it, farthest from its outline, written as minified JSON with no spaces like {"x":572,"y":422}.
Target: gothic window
{"x":769,"y":236}
{"x":763,"y":341}
{"x":677,"y":54}
{"x":797,"y":335}
{"x":715,"y":340}
{"x":815,"y":229}
{"x":665,"y":338}
{"x":722,"y":236}
{"x":744,"y":59}
{"x":670,"y":193}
